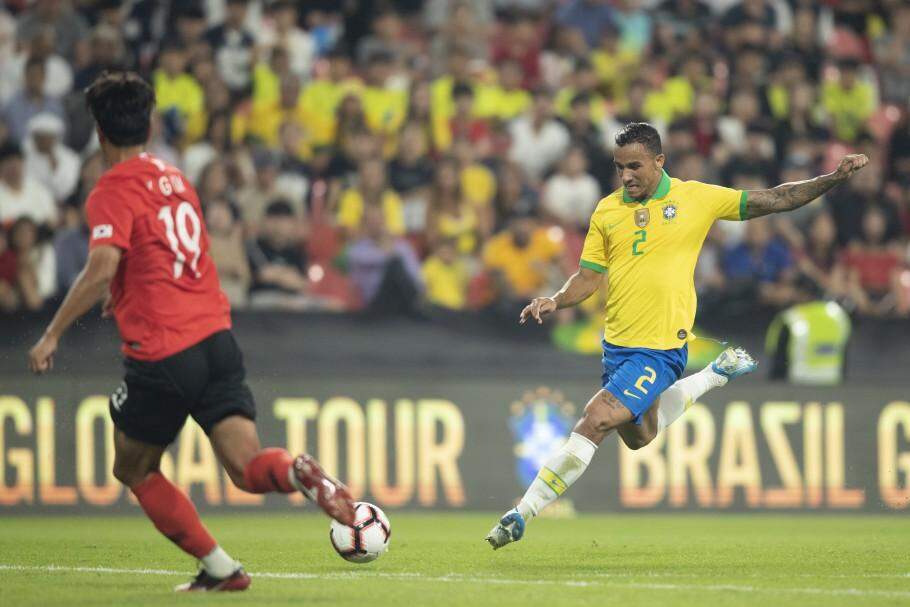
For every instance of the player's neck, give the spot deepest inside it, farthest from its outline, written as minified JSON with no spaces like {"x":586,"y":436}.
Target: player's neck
{"x":115,"y":155}
{"x":648,"y":193}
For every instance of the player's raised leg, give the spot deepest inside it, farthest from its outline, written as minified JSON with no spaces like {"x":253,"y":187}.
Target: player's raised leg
{"x":675,"y":400}
{"x":731,"y":363}
{"x":274,"y":470}
{"x":136,"y":465}
{"x":602,"y":414}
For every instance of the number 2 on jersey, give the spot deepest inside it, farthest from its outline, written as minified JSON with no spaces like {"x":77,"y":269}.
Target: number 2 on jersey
{"x":642,"y":237}
{"x":179,"y":236}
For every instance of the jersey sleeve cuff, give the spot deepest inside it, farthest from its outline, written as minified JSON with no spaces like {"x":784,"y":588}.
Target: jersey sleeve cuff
{"x":743,"y":196}
{"x":596,"y":267}
{"x":109,"y":242}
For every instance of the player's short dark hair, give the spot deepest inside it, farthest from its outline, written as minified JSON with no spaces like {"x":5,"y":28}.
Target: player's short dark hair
{"x":640,"y":132}
{"x":121,"y":103}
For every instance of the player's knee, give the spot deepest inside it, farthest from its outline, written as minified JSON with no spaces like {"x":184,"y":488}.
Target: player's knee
{"x":130,"y":473}
{"x":603,"y":413}
{"x":637,"y":442}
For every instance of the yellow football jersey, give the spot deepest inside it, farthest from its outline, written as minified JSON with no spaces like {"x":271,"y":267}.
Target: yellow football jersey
{"x":650,"y":249}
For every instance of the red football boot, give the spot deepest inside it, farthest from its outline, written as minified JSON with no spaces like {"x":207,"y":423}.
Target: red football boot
{"x":203,"y":582}
{"x":319,"y":487}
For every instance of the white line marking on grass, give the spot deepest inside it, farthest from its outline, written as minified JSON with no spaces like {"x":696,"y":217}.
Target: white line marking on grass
{"x":473,"y":579}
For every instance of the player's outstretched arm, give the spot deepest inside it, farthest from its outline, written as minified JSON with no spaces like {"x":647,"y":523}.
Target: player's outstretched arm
{"x":92,"y":284}
{"x":789,"y":196}
{"x":578,"y":288}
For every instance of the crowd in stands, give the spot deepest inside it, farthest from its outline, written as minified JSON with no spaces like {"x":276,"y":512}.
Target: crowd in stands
{"x":405,"y":156}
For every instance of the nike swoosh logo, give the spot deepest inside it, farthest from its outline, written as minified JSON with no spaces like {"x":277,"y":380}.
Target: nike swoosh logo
{"x":613,"y":225}
{"x":627,"y":393}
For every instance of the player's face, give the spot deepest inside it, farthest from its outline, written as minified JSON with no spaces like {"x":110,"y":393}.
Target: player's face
{"x":638,"y":169}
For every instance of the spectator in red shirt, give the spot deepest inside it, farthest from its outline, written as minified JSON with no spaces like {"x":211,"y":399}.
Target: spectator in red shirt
{"x":519,"y":39}
{"x":463,"y":124}
{"x":817,"y":259}
{"x":24,"y":269}
{"x":872,"y":267}
{"x":9,"y":298}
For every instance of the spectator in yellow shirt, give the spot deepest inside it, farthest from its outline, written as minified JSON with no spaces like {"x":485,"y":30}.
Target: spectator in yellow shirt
{"x":584,"y":81}
{"x":442,"y":106}
{"x":451,"y":215}
{"x":478,"y":184}
{"x":506,"y":99}
{"x":614,"y":66}
{"x":849,"y":101}
{"x":371,"y":192}
{"x":176,"y":90}
{"x":445,"y":277}
{"x":522,"y":259}
{"x":676,"y":97}
{"x":349,"y":120}
{"x":266,"y":119}
{"x":321,"y":96}
{"x":267,"y":77}
{"x":384,"y":108}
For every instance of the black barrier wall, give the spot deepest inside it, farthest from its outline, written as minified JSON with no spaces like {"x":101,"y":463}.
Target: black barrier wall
{"x":422,"y":416}
{"x":475,"y":444}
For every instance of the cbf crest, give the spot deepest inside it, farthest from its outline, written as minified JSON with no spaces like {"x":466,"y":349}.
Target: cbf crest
{"x":669,"y":212}
{"x":540,"y":423}
{"x":642,"y":217}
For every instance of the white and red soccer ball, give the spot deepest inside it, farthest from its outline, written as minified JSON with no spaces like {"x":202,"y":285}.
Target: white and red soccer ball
{"x":367,"y":539}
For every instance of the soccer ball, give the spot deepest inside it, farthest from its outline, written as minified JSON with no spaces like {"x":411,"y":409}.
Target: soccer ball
{"x":367,"y":539}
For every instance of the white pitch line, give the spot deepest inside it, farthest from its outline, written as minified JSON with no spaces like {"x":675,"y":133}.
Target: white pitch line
{"x":457,"y":578}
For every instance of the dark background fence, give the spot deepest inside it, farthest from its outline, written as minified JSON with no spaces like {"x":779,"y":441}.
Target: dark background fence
{"x":458,"y":415}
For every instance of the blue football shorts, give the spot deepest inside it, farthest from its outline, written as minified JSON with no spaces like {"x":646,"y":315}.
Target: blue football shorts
{"x":637,"y":376}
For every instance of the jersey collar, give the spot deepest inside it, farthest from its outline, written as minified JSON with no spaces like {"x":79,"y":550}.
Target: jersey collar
{"x":662,"y":189}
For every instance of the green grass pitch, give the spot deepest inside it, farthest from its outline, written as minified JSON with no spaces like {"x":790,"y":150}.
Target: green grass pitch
{"x":442,"y":560}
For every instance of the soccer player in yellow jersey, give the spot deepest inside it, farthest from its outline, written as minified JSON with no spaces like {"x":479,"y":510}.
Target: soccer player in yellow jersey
{"x":645,"y":238}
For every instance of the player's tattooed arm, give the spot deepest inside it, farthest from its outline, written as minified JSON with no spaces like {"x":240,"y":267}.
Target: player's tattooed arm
{"x":789,"y":196}
{"x":578,"y":288}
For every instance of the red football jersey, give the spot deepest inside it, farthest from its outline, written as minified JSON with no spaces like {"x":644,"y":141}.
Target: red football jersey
{"x":166,"y":296}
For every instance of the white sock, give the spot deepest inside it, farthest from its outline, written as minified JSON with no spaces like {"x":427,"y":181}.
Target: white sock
{"x":219,"y":563}
{"x":557,"y":475}
{"x":677,"y":398}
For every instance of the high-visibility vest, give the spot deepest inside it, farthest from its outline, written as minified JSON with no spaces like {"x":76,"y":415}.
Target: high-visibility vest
{"x":808,"y":343}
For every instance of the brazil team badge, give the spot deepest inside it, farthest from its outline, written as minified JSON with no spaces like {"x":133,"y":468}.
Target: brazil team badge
{"x":669,"y":212}
{"x":540,"y":423}
{"x":642,"y":217}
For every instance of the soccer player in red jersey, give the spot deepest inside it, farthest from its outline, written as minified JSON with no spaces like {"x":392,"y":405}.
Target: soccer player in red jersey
{"x":149,"y":257}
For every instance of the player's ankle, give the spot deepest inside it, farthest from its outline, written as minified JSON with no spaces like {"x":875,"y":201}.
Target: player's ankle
{"x":219,"y":563}
{"x":525,"y":510}
{"x":715,"y":379}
